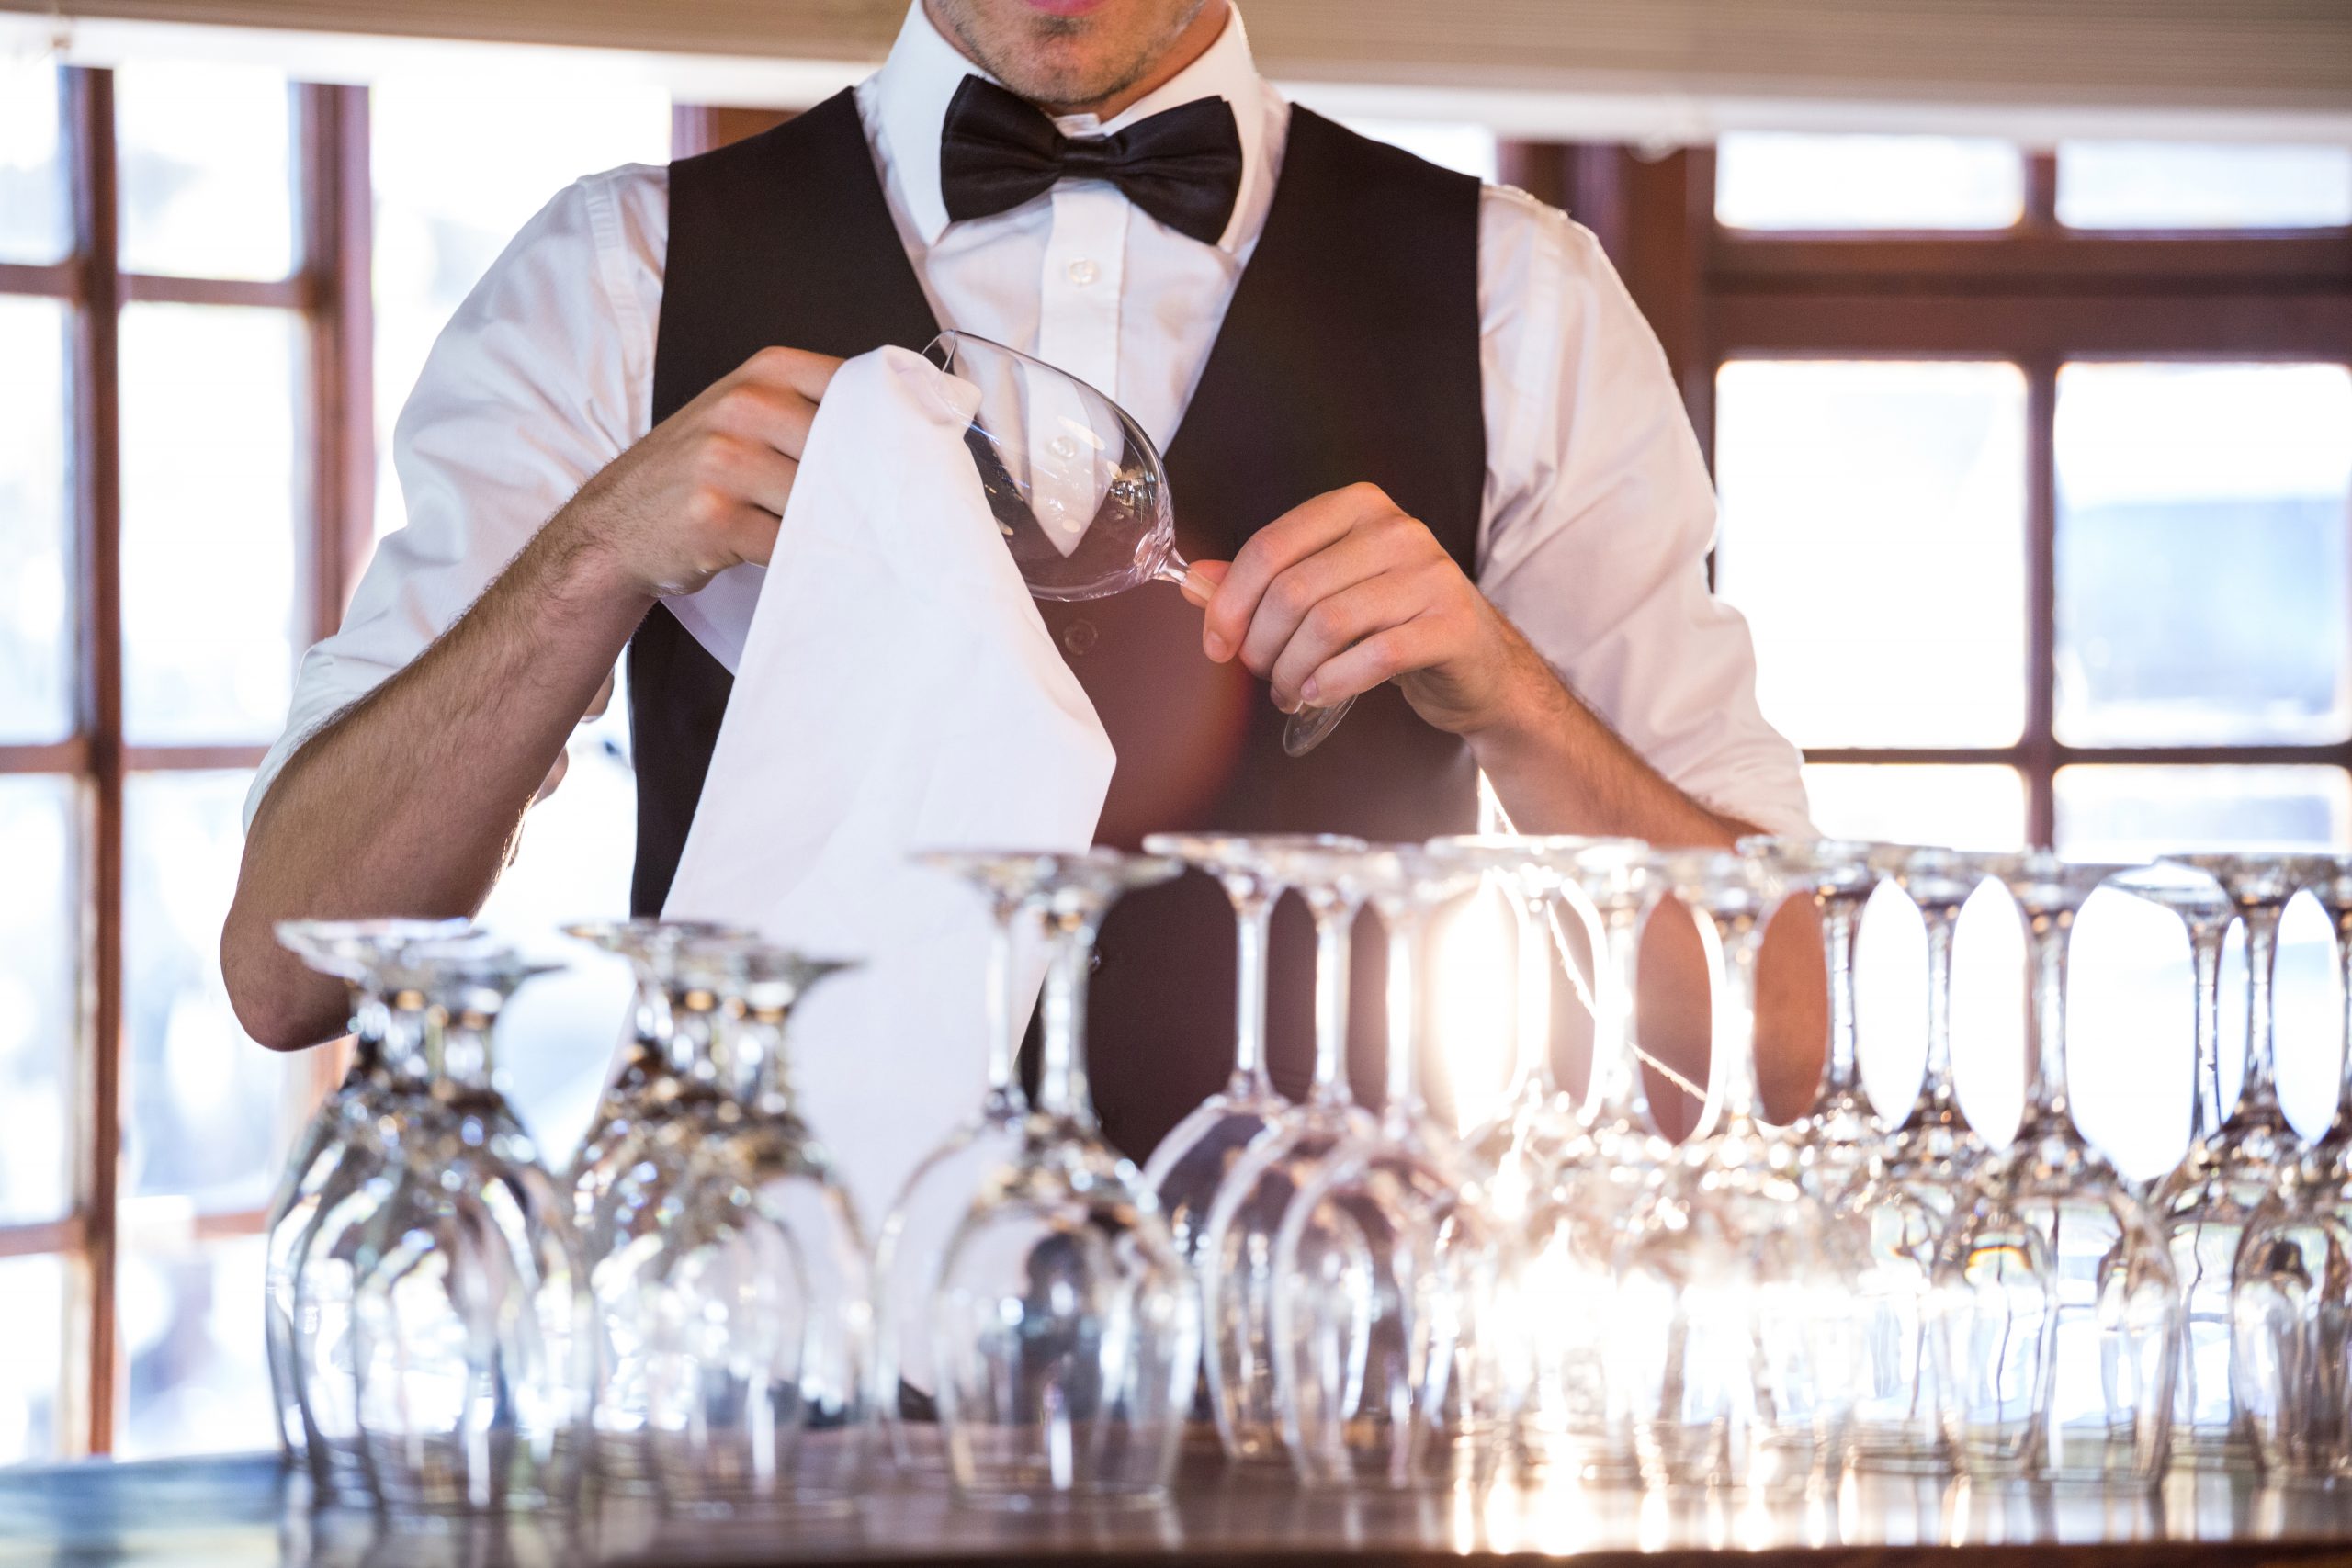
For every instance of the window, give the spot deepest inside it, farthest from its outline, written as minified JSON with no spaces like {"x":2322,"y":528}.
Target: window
{"x":187,"y":474}
{"x":2044,"y":529}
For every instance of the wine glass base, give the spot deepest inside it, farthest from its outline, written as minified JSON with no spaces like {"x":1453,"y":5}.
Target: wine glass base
{"x":1309,"y":727}
{"x":1045,"y":1502}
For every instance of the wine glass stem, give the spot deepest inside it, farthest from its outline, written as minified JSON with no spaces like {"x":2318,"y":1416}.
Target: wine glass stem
{"x":1061,"y":1081}
{"x":2342,"y":1129}
{"x":1533,"y":1070}
{"x":1615,"y":1093}
{"x":2205,"y":940}
{"x":1004,"y":1036}
{"x":1841,"y":914}
{"x":1252,"y":915}
{"x":1732,"y":1052}
{"x":2046,"y":934}
{"x":1406,"y":923}
{"x":1936,"y":1087}
{"x":2260,"y":1088}
{"x":1333,"y":925}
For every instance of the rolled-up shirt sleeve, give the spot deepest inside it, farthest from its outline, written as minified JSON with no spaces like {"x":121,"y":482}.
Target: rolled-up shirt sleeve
{"x":1599,"y":515}
{"x":541,"y":378}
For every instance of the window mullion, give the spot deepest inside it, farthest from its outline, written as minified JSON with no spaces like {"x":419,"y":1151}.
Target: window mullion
{"x":2041,"y":599}
{"x":96,"y":437}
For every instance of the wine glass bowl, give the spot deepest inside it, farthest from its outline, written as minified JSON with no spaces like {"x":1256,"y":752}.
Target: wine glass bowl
{"x":1079,"y":489}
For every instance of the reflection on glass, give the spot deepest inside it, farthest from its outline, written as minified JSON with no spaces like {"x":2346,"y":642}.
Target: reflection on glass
{"x":36,"y":658}
{"x":190,"y":1322}
{"x":32,"y":1316}
{"x":1957,"y":806}
{"x":207,"y":1114}
{"x":2187,"y":184}
{"x":434,"y":236}
{"x":38,"y":1005}
{"x":1845,"y":485}
{"x":1780,"y":180}
{"x":2203,"y":550}
{"x":36,"y":218}
{"x":2133,"y":811}
{"x":206,"y":153}
{"x":208,"y":563}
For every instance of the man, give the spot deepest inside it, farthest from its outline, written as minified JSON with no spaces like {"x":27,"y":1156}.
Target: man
{"x":1421,"y":422}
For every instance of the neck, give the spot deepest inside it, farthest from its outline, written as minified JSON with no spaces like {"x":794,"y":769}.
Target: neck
{"x":1189,"y":44}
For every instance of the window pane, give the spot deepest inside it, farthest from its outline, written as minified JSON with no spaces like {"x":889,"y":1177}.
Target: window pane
{"x":207,"y":169}
{"x":36,"y":653}
{"x":2131,"y":812}
{"x":1463,"y":148}
{"x":1970,"y":808}
{"x":2187,"y":185}
{"x":434,"y":236}
{"x":32,"y":1319}
{"x":36,"y":218}
{"x":2204,"y":554}
{"x":207,"y":1114}
{"x":1873,"y":533}
{"x":39,"y":920}
{"x":207,"y":521}
{"x":1777,"y":180}
{"x":194,"y":1381}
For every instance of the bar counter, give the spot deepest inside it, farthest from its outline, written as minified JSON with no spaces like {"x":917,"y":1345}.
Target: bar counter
{"x":248,"y":1512}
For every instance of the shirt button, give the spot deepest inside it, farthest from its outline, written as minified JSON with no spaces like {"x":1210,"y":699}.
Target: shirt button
{"x":1084,"y":272}
{"x":1079,"y":637}
{"x":1062,"y":446}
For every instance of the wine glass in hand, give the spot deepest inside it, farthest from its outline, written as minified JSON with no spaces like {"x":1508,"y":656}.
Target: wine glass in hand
{"x":1079,"y":490}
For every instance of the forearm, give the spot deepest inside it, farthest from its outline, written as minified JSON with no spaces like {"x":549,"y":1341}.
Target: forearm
{"x":408,"y":802}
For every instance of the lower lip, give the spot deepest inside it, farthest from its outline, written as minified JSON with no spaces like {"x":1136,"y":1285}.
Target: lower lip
{"x":1066,"y":7}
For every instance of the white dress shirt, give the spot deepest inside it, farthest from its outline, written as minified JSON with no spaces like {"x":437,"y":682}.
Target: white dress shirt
{"x":1596,"y":517}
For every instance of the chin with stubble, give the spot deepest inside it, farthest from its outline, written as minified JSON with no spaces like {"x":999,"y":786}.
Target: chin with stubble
{"x":1077,"y":56}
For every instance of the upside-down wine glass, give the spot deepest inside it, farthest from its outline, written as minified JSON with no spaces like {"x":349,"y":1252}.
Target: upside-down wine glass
{"x":1079,"y":490}
{"x":1236,"y":1274}
{"x":1905,"y":1202}
{"x":757,"y":1299}
{"x":1572,"y":1418}
{"x":644,"y":1083}
{"x":1732,"y":1292}
{"x":1386,"y":1261}
{"x":631,"y":1191}
{"x":2058,"y":1310}
{"x":1064,"y":1328}
{"x":2204,"y":1204}
{"x":936,"y":1195}
{"x":1518,"y":1149}
{"x":337,"y":1152}
{"x":473,"y":1342}
{"x":1840,"y":1130}
{"x":2291,"y":1294}
{"x":1191,"y":1162}
{"x":335,"y":1148}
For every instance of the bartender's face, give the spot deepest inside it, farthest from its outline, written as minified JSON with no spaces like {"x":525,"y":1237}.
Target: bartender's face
{"x":1079,"y":55}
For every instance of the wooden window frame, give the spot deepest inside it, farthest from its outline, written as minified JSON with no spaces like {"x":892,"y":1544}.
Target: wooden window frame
{"x":330,"y":289}
{"x":2037,"y":295}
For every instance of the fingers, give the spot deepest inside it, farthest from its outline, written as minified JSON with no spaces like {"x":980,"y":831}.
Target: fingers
{"x":1335,"y":624}
{"x":1310,"y":527}
{"x":1384,"y":544}
{"x":1386,"y":654}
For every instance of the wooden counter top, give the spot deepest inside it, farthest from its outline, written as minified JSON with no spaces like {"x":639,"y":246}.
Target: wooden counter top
{"x":245,"y":1512}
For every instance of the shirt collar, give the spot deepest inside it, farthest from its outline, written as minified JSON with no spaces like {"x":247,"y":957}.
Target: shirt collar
{"x":924,"y":70}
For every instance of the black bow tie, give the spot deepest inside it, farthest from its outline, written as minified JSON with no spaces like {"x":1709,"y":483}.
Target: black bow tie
{"x":1181,"y":165}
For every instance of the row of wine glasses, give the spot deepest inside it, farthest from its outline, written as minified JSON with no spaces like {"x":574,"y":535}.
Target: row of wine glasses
{"x":1366,"y":1299}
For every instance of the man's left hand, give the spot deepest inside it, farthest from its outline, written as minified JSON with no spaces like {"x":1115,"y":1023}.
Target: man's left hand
{"x":1345,"y":591}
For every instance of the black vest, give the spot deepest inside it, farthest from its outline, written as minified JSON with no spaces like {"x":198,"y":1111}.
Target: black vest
{"x":1350,"y":351}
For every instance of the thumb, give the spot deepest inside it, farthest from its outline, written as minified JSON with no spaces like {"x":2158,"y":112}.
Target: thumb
{"x":1201,"y":580}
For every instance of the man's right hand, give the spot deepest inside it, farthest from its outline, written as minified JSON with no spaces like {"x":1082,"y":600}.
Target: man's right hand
{"x":408,"y":802}
{"x":706,"y":488}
